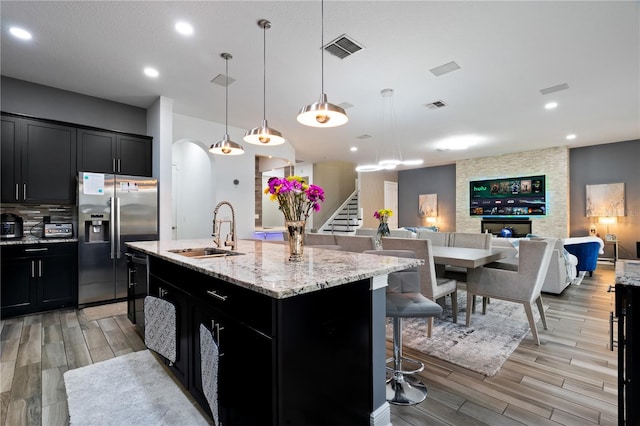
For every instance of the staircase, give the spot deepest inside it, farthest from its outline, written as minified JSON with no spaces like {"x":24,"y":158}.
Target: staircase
{"x":346,"y":219}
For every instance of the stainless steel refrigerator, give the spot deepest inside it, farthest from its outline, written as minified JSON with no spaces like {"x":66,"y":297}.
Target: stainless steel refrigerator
{"x":112,"y":210}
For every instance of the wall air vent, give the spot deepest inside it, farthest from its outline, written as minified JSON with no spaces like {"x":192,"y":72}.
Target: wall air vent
{"x":223,"y":80}
{"x":342,"y":47}
{"x":436,"y":105}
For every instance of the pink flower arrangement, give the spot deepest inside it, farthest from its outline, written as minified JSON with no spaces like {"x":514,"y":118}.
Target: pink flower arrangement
{"x":295,"y":197}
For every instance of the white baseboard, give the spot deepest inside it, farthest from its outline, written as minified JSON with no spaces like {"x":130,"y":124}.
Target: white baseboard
{"x":381,"y":416}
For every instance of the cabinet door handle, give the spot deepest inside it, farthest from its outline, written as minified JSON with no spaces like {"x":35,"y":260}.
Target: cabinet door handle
{"x":40,"y":268}
{"x":119,"y":165}
{"x":33,"y":269}
{"x":113,"y":164}
{"x":17,"y":193}
{"x":218,"y":330}
{"x":24,"y":191}
{"x":216,"y":295}
{"x":131,"y":277}
{"x":612,"y":343}
{"x":36,"y":249}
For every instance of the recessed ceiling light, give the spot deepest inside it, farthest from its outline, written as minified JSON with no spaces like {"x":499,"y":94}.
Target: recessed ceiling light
{"x":551,"y":105}
{"x":459,"y":142}
{"x":184,"y":28}
{"x":571,"y":137}
{"x":151,"y":72}
{"x":20,"y":33}
{"x":353,"y":148}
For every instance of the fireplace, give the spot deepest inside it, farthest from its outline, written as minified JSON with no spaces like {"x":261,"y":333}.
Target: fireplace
{"x":519,"y":227}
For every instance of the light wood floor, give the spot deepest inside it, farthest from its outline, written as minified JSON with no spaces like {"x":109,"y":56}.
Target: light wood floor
{"x":571,"y":379}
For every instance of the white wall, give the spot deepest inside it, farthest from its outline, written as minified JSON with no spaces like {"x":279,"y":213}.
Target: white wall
{"x":160,"y":125}
{"x":209,"y":188}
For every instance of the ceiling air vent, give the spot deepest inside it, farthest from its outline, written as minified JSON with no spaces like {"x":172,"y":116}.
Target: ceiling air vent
{"x":436,"y":105}
{"x":342,"y":47}
{"x":552,"y":89}
{"x":223,"y":80}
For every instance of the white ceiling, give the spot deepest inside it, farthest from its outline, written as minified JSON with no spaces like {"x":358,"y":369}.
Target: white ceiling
{"x":507,"y":51}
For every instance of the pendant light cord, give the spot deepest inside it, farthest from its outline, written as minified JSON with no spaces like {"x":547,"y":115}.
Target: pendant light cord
{"x":264,"y":72}
{"x":226,"y":97}
{"x":322,"y":45}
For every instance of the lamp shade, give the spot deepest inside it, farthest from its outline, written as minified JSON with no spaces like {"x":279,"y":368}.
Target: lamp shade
{"x":608,"y":220}
{"x":264,"y":135}
{"x":226,"y":147}
{"x":322,"y":114}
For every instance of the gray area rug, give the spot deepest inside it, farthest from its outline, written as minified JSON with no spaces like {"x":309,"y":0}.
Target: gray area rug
{"x":483,"y":347}
{"x":132,"y":389}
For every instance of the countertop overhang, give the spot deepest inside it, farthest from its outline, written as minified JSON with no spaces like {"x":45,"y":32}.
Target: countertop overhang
{"x":265,"y":267}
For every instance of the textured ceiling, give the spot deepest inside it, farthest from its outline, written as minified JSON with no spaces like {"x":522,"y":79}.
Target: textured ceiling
{"x":507,"y":51}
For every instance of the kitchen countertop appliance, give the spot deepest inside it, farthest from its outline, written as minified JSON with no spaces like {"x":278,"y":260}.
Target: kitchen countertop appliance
{"x":112,"y":210}
{"x":12,"y":226}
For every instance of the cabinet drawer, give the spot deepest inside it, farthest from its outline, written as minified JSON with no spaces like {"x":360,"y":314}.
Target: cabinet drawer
{"x":246,"y":306}
{"x":39,"y":250}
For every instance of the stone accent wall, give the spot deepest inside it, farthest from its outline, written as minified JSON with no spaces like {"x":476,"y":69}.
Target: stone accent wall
{"x":552,"y":162}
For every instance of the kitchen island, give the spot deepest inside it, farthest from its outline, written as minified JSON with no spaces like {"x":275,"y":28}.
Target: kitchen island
{"x":300,"y":342}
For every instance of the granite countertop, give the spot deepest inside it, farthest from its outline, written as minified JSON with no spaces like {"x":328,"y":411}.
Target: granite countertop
{"x":30,"y":239}
{"x":264,"y":267}
{"x":628,"y":272}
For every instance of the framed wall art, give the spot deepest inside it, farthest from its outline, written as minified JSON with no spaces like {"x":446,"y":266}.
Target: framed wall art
{"x":428,"y":205}
{"x":605,"y":200}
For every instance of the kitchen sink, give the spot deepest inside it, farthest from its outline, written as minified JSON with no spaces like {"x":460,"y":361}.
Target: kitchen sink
{"x":204,"y":252}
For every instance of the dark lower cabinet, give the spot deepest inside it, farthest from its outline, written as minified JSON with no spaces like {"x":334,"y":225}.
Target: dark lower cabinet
{"x":180,"y":299}
{"x":38,"y":277}
{"x":303,"y":360}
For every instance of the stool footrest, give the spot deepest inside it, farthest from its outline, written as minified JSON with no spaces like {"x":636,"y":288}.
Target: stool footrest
{"x":413,"y":366}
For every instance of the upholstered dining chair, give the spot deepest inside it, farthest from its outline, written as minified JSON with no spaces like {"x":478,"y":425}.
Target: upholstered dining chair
{"x":313,"y":238}
{"x":404,"y":300}
{"x":521,"y":286}
{"x":356,"y":243}
{"x":430,"y":286}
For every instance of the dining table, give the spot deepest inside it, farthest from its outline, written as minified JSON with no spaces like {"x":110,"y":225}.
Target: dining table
{"x":465,"y":257}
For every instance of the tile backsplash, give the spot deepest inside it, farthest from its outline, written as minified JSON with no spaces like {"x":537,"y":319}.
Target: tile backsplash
{"x":33,"y":214}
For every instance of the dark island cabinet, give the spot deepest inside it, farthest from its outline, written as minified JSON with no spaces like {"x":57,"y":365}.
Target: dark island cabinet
{"x":38,"y":277}
{"x":38,"y":161}
{"x":279,"y":359}
{"x":109,"y":152}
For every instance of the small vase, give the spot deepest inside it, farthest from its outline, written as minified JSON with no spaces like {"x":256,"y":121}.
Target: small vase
{"x":383,"y":231}
{"x":295,"y":231}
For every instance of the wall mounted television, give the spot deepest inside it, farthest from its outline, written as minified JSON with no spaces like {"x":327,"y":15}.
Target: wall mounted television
{"x":508,"y":196}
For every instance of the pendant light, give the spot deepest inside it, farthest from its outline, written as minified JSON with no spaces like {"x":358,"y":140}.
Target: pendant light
{"x":393,"y":146}
{"x":226,"y":146}
{"x":322,"y":113}
{"x":264,"y":135}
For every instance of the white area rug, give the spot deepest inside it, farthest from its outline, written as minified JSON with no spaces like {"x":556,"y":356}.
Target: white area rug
{"x":132,"y":389}
{"x":483,"y":347}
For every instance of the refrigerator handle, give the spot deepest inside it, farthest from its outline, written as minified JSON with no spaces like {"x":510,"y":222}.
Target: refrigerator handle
{"x":112,"y":225}
{"x":118,"y":253}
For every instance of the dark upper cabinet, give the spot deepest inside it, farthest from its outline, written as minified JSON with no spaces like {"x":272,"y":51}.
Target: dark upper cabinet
{"x":108,"y":152}
{"x":10,"y":157}
{"x":38,"y":161}
{"x":49,"y":163}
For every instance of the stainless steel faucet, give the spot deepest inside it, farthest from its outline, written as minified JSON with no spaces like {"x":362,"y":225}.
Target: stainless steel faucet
{"x":218,"y":223}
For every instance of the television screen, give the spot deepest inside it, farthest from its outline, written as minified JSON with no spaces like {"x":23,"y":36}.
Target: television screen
{"x":508,"y":196}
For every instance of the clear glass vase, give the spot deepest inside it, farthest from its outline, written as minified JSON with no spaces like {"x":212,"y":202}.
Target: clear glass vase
{"x":383,"y":231}
{"x":295,"y":233}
